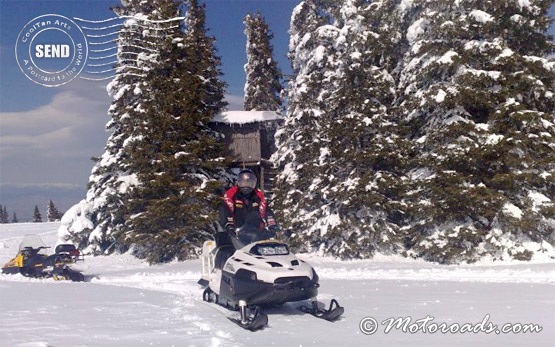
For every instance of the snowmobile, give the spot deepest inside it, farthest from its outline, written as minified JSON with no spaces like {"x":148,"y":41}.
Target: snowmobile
{"x":31,"y":261}
{"x":251,"y":270}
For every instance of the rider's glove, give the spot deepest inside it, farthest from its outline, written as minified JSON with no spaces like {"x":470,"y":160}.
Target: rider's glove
{"x":230,"y":229}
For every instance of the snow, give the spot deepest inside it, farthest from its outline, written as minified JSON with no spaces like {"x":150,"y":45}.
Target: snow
{"x":128,"y":303}
{"x":494,"y":139}
{"x":440,"y":96}
{"x":245,"y":117}
{"x":415,"y":30}
{"x":447,"y":58}
{"x":481,"y":16}
{"x":524,"y":4}
{"x":405,"y":6}
{"x":512,"y":210}
{"x":538,"y":200}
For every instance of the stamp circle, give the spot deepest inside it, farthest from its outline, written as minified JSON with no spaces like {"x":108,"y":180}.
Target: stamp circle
{"x":51,"y":50}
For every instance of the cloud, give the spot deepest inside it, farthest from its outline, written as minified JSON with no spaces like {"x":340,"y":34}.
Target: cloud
{"x":235,"y":102}
{"x":53,"y":143}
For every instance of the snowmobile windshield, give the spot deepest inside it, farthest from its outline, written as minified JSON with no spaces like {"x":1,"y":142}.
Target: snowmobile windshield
{"x":32,"y":241}
{"x":247,"y":235}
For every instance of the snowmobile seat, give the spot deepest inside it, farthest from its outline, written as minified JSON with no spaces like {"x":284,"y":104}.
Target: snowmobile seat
{"x":64,"y":248}
{"x":68,"y":250}
{"x":223,"y":254}
{"x":222,"y":239}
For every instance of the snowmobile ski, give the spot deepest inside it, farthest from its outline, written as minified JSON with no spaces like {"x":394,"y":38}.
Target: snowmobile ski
{"x":331,"y":314}
{"x":254,"y":322}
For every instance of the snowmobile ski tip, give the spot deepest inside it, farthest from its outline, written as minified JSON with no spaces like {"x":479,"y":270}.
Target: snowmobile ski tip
{"x":257,"y":321}
{"x":331,"y":314}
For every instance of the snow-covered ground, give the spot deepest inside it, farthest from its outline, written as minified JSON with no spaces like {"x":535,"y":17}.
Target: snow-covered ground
{"x":129,"y":303}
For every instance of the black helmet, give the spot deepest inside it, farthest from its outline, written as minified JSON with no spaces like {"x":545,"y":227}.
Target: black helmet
{"x":246,"y":181}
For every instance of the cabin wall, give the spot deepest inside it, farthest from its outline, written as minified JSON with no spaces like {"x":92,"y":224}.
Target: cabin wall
{"x":251,"y":145}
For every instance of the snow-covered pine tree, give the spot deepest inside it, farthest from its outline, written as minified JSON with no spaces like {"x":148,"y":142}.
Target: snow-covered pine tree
{"x":298,"y":203}
{"x":342,"y":153}
{"x":263,"y":76}
{"x":52,"y":213}
{"x":37,"y":217}
{"x":477,"y":92}
{"x":95,"y":224}
{"x":365,"y":160}
{"x":177,"y":158}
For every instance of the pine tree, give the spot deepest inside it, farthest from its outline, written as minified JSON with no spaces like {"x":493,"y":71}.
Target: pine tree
{"x":52,"y":213}
{"x":176,"y":155}
{"x":340,"y":150}
{"x":263,"y":76}
{"x":419,"y":124}
{"x":96,"y":223}
{"x":37,"y":218}
{"x":14,"y":218}
{"x":476,"y":92}
{"x":363,"y":166}
{"x":300,"y":140}
{"x":4,"y":215}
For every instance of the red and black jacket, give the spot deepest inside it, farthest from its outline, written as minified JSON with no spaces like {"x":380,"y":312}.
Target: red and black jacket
{"x":236,"y":207}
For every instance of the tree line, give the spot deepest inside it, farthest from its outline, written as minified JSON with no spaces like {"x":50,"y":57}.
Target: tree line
{"x":422,"y":128}
{"x":52,"y":214}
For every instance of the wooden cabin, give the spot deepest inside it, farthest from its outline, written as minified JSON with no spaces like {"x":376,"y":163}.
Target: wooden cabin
{"x":249,"y":135}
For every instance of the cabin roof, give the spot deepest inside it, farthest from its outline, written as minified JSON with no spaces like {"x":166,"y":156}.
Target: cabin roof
{"x":245,"y":117}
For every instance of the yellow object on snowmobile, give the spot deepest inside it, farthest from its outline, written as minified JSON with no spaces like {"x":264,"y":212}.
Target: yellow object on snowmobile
{"x":17,"y":261}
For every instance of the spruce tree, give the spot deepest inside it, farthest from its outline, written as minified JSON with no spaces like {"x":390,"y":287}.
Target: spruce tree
{"x":3,"y":215}
{"x":364,"y":163}
{"x":37,"y":217}
{"x":424,"y":124}
{"x":52,"y":213}
{"x":300,"y":140}
{"x":14,"y":218}
{"x":176,"y":156}
{"x":96,"y":223}
{"x":476,"y":92}
{"x":263,"y":76}
{"x":340,"y":150}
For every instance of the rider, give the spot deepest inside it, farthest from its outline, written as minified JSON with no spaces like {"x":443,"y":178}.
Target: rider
{"x":245,"y":199}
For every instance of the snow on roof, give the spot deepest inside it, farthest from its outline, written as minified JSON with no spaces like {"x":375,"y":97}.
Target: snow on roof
{"x":244,"y":117}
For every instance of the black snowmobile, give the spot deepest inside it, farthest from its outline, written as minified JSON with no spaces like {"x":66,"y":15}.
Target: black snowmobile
{"x":252,"y":270}
{"x":31,"y":261}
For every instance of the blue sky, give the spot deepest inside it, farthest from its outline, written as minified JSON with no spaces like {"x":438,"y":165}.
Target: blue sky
{"x":48,"y":135}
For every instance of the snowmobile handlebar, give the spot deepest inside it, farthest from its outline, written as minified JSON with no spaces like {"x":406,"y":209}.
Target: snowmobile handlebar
{"x":247,"y":235}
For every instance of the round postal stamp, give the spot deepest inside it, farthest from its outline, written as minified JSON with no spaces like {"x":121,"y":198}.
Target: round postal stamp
{"x":51,"y":50}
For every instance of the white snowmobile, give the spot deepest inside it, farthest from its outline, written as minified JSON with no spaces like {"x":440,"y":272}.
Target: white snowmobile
{"x":252,"y":270}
